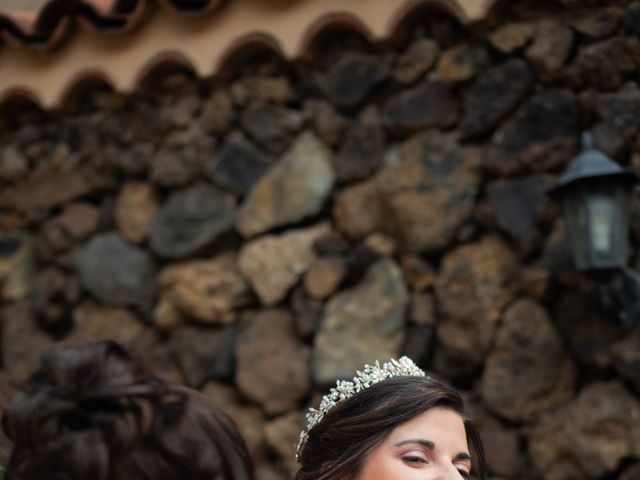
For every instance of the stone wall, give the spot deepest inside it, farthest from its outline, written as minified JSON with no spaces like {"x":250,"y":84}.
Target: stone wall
{"x":259,"y":235}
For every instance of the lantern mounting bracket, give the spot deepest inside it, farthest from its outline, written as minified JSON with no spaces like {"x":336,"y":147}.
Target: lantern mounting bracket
{"x":618,"y":296}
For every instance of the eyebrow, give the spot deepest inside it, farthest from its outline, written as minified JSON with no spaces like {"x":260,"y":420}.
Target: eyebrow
{"x":432,"y":446}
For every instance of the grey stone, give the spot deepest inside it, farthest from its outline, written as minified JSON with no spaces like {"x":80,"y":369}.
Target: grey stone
{"x":130,"y":160}
{"x":272,"y":364}
{"x":237,"y":165}
{"x":14,"y":165}
{"x":353,"y":78}
{"x":511,"y":37}
{"x":331,"y":244}
{"x":154,"y":351}
{"x":181,"y":156}
{"x":53,"y":242}
{"x":264,"y":89}
{"x":631,"y":19}
{"x":327,"y":124}
{"x":306,"y":312}
{"x":494,"y":95}
{"x":531,"y":142}
{"x":272,"y":126}
{"x":169,"y":168}
{"x":22,"y":341}
{"x":431,"y":193}
{"x":208,"y":291}
{"x":190,"y":219}
{"x":17,"y":266}
{"x":94,"y":323}
{"x":552,"y":44}
{"x":358,"y":209}
{"x":557,"y":256}
{"x":181,"y":110}
{"x":49,"y":190}
{"x":518,"y":206}
{"x":423,"y":309}
{"x":534,"y":281}
{"x":217,"y":112}
{"x":360,"y":153}
{"x":473,"y":287}
{"x":599,"y":23}
{"x":381,"y":244}
{"x":419,"y":274}
{"x":54,"y":292}
{"x":501,"y":443}
{"x":79,"y":220}
{"x":528,"y":372}
{"x":605,"y":64}
{"x":136,"y":205}
{"x":283,"y":434}
{"x":462,"y":62}
{"x":428,"y":104}
{"x":274,"y":263}
{"x":361,"y":325}
{"x":291,"y":190}
{"x":358,"y":261}
{"x":116,"y":272}
{"x":416,"y":61}
{"x":420,"y":201}
{"x":324,"y":276}
{"x":418,"y":343}
{"x":587,"y":334}
{"x":203,"y":354}
{"x":626,"y":358}
{"x":619,"y":114}
{"x":249,"y":419}
{"x":590,"y":436}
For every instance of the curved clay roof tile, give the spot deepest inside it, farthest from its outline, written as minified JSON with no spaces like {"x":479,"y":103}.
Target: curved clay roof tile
{"x":43,"y":25}
{"x":205,"y":46}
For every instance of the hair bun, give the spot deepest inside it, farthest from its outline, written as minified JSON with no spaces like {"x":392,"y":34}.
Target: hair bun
{"x":97,"y":398}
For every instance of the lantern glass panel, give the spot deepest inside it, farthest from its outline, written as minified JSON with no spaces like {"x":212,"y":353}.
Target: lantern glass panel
{"x":602,"y":223}
{"x":597,"y":219}
{"x":575,"y":216}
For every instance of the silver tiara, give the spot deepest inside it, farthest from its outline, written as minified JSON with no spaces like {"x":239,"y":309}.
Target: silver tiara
{"x":370,"y":375}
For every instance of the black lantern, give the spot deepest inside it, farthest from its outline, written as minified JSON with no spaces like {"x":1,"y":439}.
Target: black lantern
{"x":594,"y":193}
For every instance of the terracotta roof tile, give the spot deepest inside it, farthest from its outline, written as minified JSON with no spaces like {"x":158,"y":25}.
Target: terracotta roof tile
{"x":162,"y":40}
{"x":42,"y":24}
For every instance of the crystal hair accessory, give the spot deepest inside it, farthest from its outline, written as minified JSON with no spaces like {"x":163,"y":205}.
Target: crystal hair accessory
{"x":370,"y":375}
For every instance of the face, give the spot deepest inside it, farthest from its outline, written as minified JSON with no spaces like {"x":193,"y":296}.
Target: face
{"x":431,"y":446}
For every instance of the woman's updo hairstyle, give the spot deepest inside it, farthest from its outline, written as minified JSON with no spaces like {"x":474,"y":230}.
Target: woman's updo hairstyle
{"x":95,"y":412}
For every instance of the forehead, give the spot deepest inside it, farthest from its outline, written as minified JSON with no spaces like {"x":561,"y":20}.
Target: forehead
{"x":440,"y":425}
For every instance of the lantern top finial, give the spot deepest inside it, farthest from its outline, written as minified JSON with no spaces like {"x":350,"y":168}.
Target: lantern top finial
{"x":586,"y":141}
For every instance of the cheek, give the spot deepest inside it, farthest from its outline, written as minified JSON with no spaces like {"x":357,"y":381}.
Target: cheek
{"x":377,"y":467}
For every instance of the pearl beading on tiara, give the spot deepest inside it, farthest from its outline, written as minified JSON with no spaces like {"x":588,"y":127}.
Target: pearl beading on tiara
{"x":370,"y":375}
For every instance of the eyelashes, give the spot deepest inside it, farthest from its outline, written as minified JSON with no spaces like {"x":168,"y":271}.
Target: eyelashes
{"x":411,"y":459}
{"x":414,"y":459}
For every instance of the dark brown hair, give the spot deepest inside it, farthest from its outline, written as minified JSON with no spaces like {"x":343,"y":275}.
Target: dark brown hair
{"x":95,"y":412}
{"x":338,"y":446}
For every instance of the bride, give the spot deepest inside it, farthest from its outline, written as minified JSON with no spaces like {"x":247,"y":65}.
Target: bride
{"x":392,"y":422}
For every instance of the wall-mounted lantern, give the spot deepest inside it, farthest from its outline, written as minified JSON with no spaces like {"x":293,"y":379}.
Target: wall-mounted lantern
{"x":594,"y":193}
